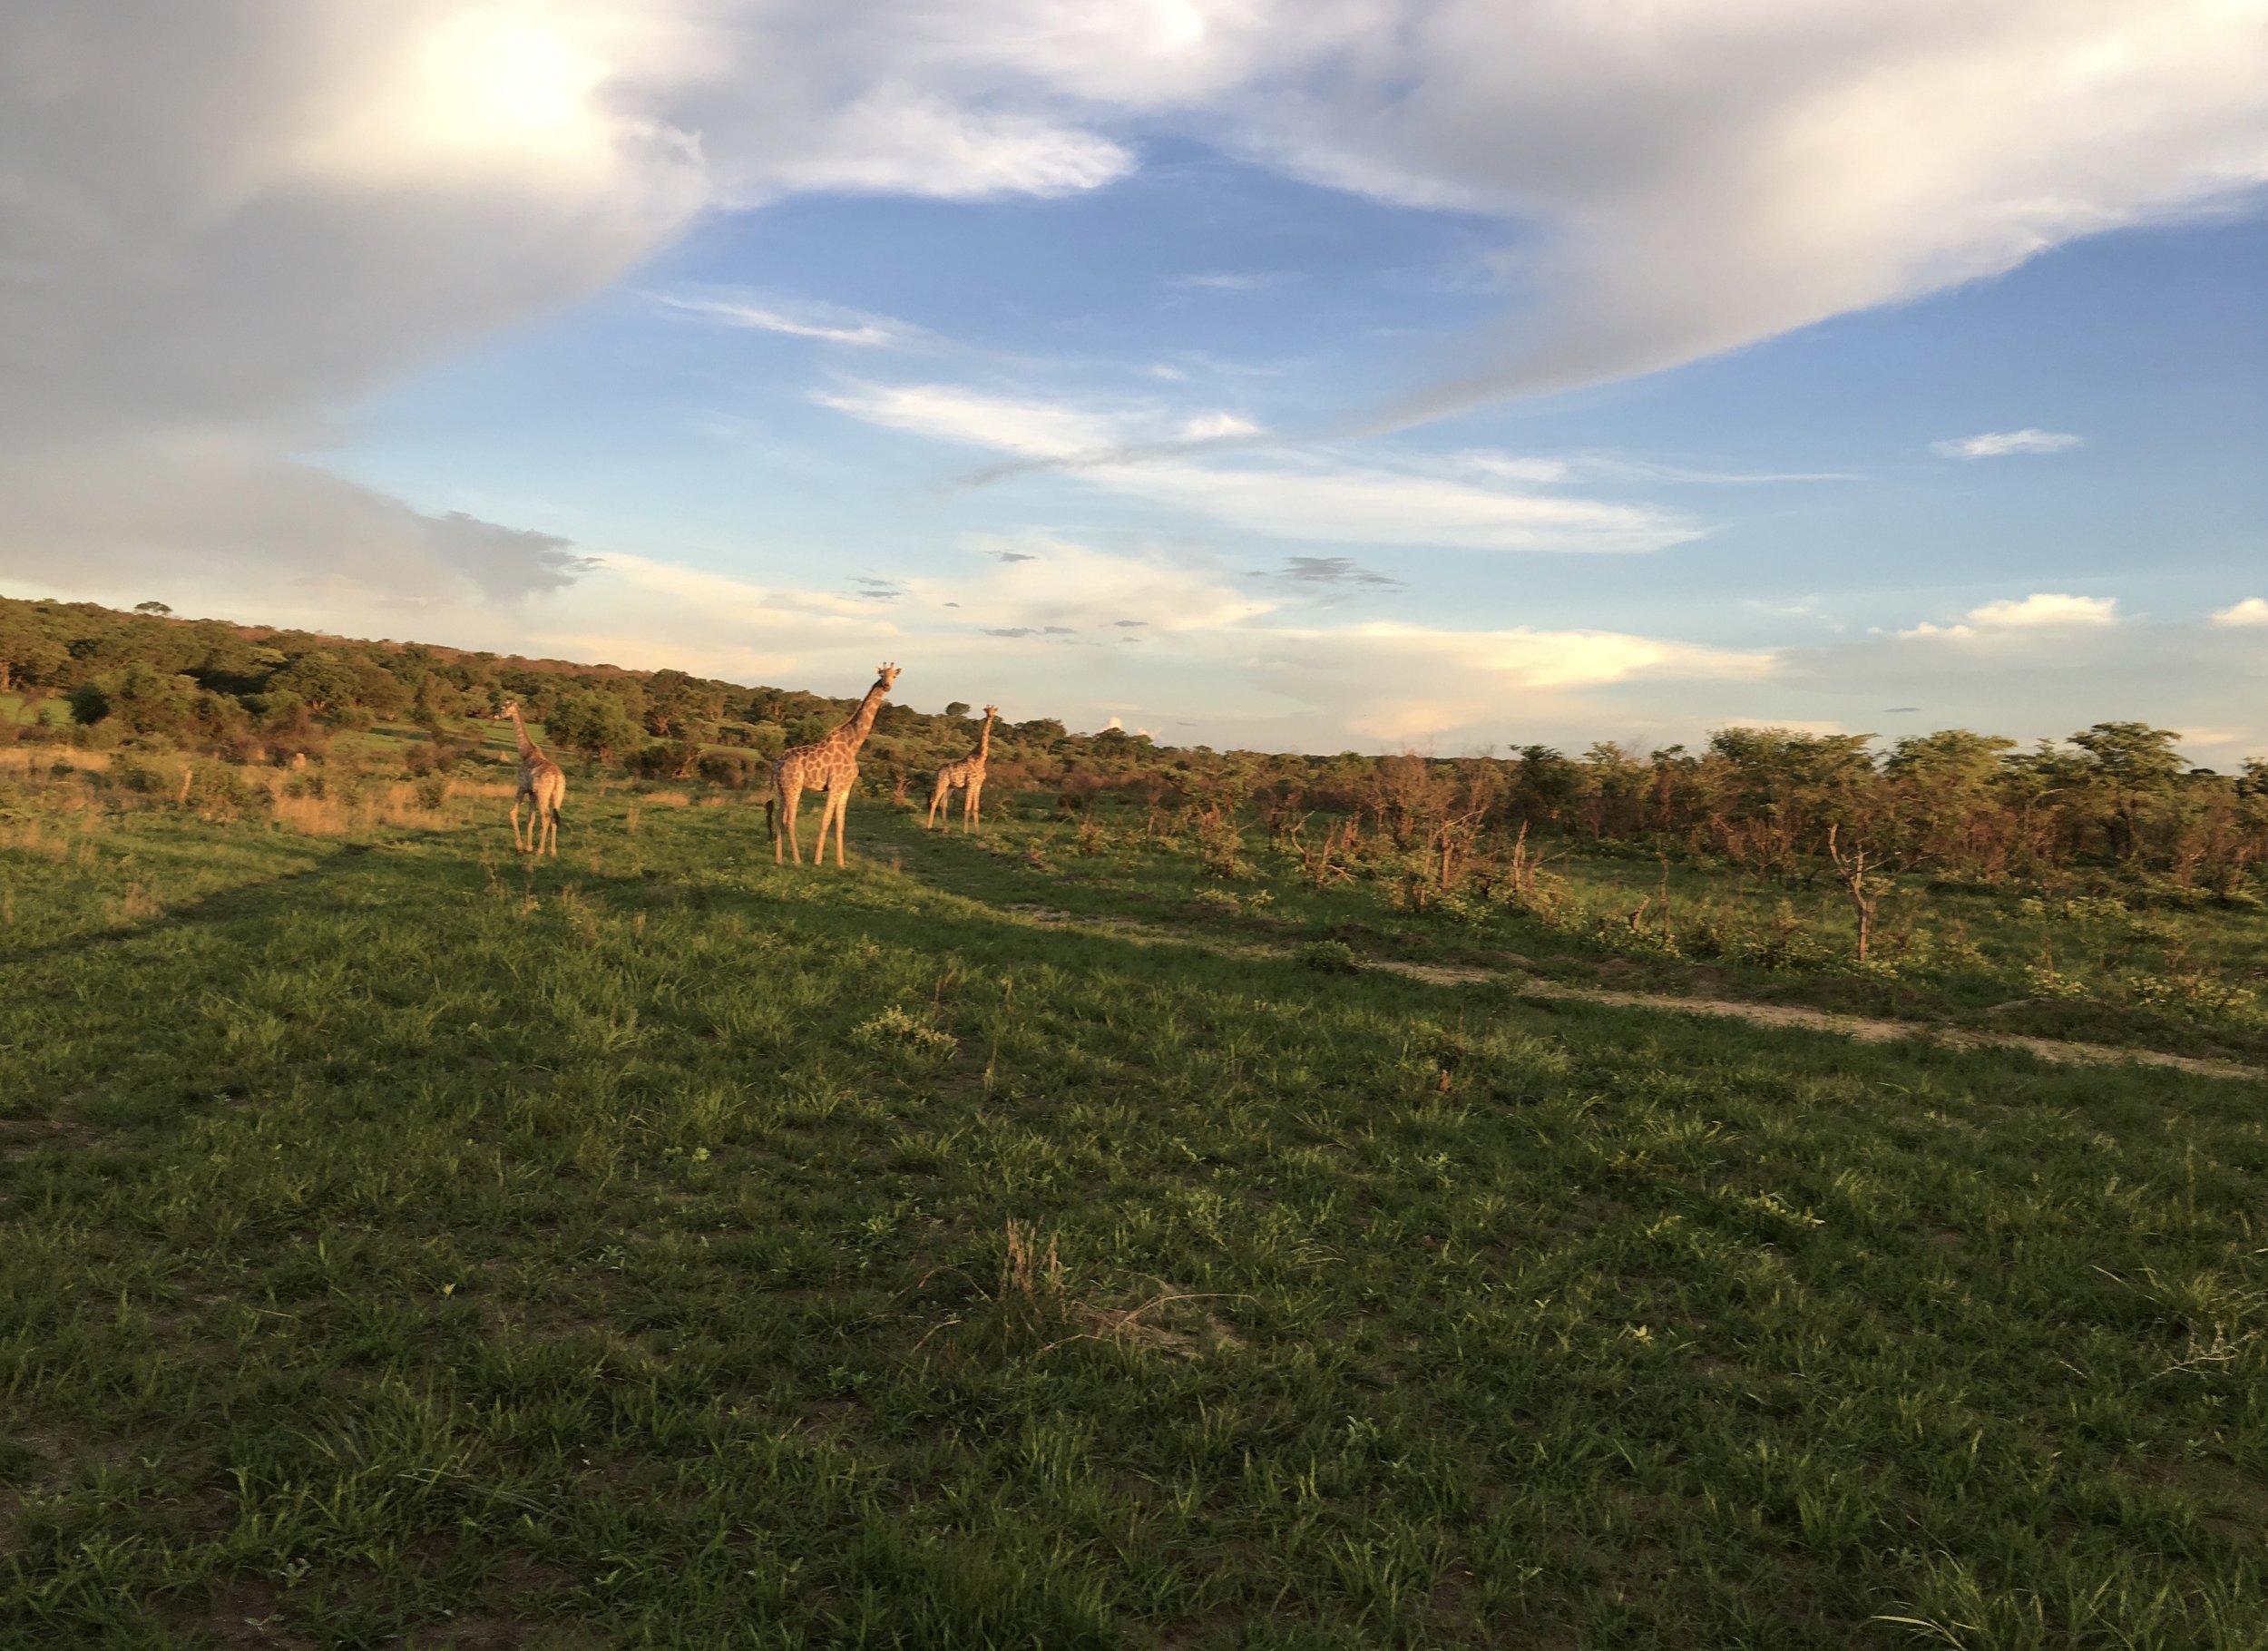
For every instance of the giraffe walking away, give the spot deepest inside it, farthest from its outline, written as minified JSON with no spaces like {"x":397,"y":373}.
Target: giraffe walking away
{"x":543,"y":783}
{"x":829,"y":765}
{"x":967,"y":776}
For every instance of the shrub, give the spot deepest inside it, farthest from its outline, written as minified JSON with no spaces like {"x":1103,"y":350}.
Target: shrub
{"x":727,"y":768}
{"x":1328,"y":957}
{"x":216,"y":792}
{"x":667,"y":759}
{"x":896,"y":1032}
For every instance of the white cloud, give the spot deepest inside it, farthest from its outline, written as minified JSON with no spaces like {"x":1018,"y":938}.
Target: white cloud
{"x":1214,"y":426}
{"x":242,"y":210}
{"x":2042,"y":610}
{"x":1361,"y":505}
{"x":1717,"y":172}
{"x":2000,"y":443}
{"x":1793,"y":725}
{"x":2201,"y":738}
{"x":2252,"y":611}
{"x":1241,"y":281}
{"x":1039,"y":430}
{"x":1512,"y":467}
{"x":1399,"y":683}
{"x":829,"y":323}
{"x":1291,"y":494}
{"x":1039,"y":581}
{"x":1526,"y":658}
{"x":897,"y":142}
{"x":210,"y":520}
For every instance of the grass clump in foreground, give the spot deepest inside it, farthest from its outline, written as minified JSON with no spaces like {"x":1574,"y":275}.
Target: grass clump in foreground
{"x":662,"y":1249}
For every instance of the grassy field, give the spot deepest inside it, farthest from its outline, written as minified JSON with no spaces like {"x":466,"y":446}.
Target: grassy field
{"x":2187,"y":979}
{"x":409,"y":1247}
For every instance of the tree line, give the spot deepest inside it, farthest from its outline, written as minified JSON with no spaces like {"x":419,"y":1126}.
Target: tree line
{"x":2115,"y":797}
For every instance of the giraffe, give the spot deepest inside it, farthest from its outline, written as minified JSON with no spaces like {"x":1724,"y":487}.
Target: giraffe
{"x":829,"y":765}
{"x":541,"y":782}
{"x":967,"y":777}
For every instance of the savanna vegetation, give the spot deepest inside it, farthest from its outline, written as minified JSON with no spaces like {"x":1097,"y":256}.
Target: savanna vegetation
{"x":1226,"y":1204}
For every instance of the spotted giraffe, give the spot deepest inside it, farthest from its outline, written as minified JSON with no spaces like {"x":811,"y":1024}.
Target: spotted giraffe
{"x":541,"y":782}
{"x":967,"y":776}
{"x":829,"y":765}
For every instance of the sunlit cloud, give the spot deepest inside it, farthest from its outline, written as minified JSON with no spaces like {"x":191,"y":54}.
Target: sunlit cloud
{"x":829,"y":323}
{"x":1303,"y":495}
{"x":2000,"y":444}
{"x":2252,"y":611}
{"x":2042,"y":610}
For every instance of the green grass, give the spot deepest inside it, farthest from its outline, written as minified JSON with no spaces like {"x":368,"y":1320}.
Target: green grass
{"x":2189,"y":982}
{"x":408,"y":1247}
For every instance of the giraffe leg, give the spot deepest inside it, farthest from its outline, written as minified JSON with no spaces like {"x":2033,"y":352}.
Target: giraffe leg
{"x":826,"y":819}
{"x":518,"y":846}
{"x":788,"y":803}
{"x":971,"y":809}
{"x":937,"y":799}
{"x":842,"y":807}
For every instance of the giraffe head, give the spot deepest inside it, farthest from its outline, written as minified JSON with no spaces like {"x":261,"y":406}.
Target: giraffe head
{"x":510,"y":707}
{"x":888,"y":674}
{"x":990,"y":711}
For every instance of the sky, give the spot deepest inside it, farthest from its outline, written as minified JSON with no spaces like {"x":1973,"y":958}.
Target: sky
{"x":1434,"y":374}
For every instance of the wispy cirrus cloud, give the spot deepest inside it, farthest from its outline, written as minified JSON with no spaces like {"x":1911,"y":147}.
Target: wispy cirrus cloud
{"x":829,"y":323}
{"x":2000,"y":443}
{"x":1288,"y":493}
{"x":1231,"y":280}
{"x":1045,"y":583}
{"x":1333,"y":570}
{"x":1590,"y":467}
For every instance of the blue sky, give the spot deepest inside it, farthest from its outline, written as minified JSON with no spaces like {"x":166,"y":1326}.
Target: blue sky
{"x":1250,"y":375}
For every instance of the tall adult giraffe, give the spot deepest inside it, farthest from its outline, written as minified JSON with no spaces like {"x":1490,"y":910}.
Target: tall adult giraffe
{"x":541,"y":782}
{"x":967,"y":776}
{"x":829,"y":765}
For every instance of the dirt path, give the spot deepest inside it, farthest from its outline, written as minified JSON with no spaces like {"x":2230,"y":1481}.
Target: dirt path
{"x":1863,"y":1028}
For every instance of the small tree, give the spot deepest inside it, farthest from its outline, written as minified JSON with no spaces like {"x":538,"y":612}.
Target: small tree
{"x":597,"y":725}
{"x":324,"y":682}
{"x":1864,"y":888}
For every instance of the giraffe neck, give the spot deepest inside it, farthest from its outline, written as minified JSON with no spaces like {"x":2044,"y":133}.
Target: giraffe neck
{"x":528,"y":752}
{"x":984,"y":740}
{"x":852,"y":734}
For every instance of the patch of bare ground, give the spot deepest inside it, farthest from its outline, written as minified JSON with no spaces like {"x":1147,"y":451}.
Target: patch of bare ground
{"x":21,"y":1138}
{"x":1052,"y":917}
{"x":244,"y":1615}
{"x":1867,"y":1029}
{"x":2229,"y":1500}
{"x":476,"y":1631}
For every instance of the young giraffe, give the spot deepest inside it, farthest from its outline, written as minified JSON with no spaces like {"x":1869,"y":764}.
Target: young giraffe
{"x":541,"y":782}
{"x":829,"y":765}
{"x":967,"y":777}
